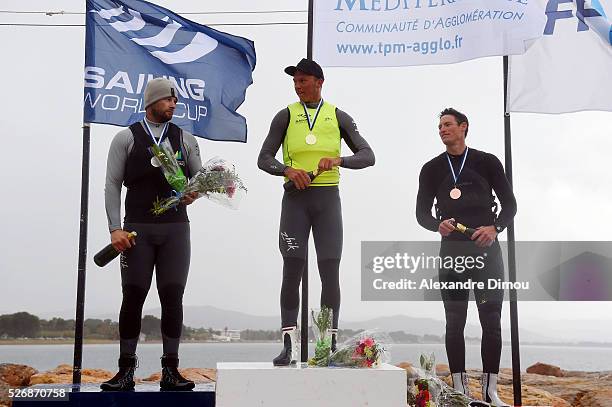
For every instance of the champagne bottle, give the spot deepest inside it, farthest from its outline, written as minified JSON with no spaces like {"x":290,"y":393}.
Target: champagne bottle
{"x":290,"y":185}
{"x":464,"y":229}
{"x":104,"y":256}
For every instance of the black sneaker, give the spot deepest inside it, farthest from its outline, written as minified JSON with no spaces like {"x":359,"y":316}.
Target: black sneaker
{"x":171,"y":379}
{"x":124,"y":379}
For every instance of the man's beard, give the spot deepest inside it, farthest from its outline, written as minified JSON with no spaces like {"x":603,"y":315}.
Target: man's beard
{"x":161,"y":116}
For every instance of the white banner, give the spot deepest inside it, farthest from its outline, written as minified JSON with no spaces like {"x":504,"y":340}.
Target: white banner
{"x":421,"y":32}
{"x":569,"y":69}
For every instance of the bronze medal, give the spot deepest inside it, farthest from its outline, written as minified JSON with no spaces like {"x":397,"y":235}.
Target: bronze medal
{"x":455,"y":193}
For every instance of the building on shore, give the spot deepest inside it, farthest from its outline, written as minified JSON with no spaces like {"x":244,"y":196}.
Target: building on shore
{"x":228,"y":335}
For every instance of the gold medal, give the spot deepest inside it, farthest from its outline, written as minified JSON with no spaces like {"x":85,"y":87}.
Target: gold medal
{"x":455,"y":193}
{"x":311,"y":139}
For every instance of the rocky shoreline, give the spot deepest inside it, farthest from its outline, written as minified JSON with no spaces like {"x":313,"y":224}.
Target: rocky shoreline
{"x":542,"y":384}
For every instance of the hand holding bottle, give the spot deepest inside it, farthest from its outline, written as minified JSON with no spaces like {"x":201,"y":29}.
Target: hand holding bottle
{"x":298,"y":179}
{"x":446,"y":227}
{"x":462,"y":228}
{"x":122,"y":240}
{"x":484,"y":236}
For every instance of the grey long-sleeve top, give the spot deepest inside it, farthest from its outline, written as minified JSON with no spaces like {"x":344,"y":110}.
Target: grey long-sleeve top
{"x":362,"y":157}
{"x":119,"y":151}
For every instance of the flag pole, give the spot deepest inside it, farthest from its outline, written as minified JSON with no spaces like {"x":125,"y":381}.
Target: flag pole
{"x":80,"y":303}
{"x":514,"y":328}
{"x":304,"y":319}
{"x":310,"y":28}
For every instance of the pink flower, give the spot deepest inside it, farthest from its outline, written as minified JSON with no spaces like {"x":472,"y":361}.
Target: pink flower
{"x":368,"y":342}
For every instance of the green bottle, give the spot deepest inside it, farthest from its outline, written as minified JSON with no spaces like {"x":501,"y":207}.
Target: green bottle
{"x":104,"y":256}
{"x":290,"y":185}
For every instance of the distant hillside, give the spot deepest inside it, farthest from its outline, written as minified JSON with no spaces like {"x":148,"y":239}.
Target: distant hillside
{"x":208,"y":316}
{"x":216,"y":318}
{"x":544,"y":331}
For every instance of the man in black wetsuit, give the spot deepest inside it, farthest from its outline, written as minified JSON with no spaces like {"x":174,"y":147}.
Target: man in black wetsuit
{"x":461,"y":181}
{"x":163,"y":241}
{"x":310,"y":132}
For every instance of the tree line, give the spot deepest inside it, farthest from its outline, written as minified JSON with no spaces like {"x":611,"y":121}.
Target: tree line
{"x":25,"y":325}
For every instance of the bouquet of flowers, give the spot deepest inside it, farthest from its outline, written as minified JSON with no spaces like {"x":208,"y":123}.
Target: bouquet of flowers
{"x":362,"y":351}
{"x":163,"y":157}
{"x":321,"y":324}
{"x":217,"y":180}
{"x":429,"y":391}
{"x":425,"y":389}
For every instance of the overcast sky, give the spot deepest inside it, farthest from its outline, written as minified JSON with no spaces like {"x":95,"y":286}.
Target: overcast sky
{"x":561,"y":170}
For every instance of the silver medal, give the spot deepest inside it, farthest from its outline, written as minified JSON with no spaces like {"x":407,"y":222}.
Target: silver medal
{"x":155,"y":162}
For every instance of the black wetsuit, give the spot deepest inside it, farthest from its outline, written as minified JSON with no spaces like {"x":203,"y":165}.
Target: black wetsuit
{"x":482,"y":174}
{"x":317,"y":208}
{"x":163,"y":242}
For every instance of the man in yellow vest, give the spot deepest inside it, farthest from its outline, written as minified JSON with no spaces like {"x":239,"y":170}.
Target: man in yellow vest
{"x":310,"y":132}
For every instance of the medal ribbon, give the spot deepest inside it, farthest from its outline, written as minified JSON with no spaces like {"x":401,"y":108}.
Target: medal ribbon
{"x":312,"y":122}
{"x":456,"y":177}
{"x":163,"y":133}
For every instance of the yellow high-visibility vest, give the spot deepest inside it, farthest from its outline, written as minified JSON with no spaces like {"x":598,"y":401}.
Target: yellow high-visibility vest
{"x":297,"y":153}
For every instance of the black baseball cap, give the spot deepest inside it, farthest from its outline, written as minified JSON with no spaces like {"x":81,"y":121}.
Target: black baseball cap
{"x":307,"y":66}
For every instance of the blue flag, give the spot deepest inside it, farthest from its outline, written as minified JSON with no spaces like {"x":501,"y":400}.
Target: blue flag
{"x":130,"y":42}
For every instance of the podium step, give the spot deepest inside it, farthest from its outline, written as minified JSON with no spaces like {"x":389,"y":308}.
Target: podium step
{"x":262,"y":384}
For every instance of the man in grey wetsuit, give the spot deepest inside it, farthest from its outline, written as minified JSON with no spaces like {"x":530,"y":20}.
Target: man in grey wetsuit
{"x":310,"y":132}
{"x":162,"y":242}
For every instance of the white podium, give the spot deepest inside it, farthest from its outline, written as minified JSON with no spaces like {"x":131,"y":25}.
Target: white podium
{"x":262,"y":384}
